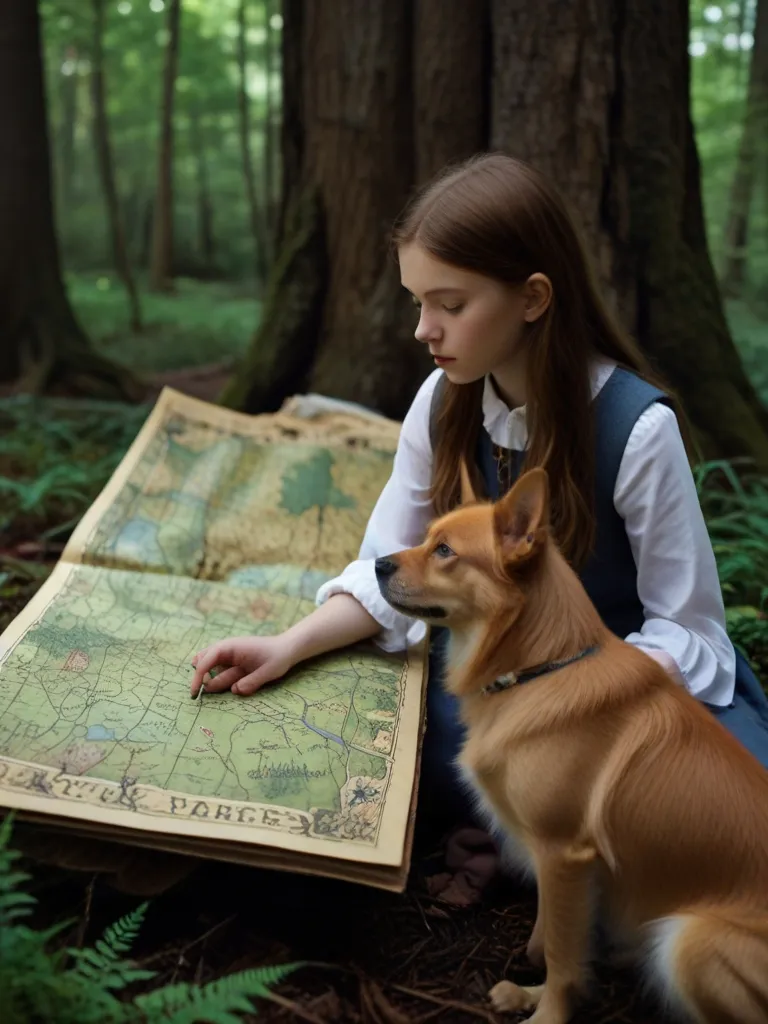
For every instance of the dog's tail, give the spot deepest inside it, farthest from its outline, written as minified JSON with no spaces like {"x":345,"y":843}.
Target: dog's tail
{"x":713,"y":963}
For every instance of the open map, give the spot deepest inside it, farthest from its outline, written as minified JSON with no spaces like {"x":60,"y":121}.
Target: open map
{"x":215,"y":524}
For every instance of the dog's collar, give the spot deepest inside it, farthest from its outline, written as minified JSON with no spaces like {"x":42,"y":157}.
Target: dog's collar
{"x":510,"y":679}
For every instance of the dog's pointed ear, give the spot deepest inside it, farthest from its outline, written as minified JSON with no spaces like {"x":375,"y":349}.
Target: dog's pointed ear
{"x":521,"y":517}
{"x":468,"y":495}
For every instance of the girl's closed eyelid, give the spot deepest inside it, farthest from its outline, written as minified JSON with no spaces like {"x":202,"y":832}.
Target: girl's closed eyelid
{"x":448,"y":309}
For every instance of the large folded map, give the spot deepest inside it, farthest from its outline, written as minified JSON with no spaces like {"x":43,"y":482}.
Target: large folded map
{"x":216,"y":524}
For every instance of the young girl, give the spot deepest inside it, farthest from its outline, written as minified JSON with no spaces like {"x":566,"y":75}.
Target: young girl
{"x":532,"y":371}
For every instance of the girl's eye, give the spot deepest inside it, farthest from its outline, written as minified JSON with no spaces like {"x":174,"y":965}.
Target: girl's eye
{"x":443,"y":551}
{"x":454,"y":309}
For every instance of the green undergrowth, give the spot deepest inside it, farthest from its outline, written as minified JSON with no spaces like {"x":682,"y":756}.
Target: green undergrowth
{"x":198,"y":324}
{"x":43,"y":980}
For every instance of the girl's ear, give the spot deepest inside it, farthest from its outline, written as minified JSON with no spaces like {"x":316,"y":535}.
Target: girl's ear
{"x":521,"y":517}
{"x":538,"y":296}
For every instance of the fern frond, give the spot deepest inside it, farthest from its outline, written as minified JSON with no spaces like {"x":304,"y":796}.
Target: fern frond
{"x":120,"y":936}
{"x":106,"y":952}
{"x":102,"y":964}
{"x":13,"y":904}
{"x":216,"y":1002}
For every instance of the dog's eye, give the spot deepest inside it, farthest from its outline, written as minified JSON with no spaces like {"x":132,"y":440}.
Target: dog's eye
{"x":443,"y":551}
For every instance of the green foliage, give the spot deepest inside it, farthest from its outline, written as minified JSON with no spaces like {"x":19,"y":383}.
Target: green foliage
{"x":736,"y":510}
{"x":200,"y":324}
{"x":207,"y":159}
{"x":721,"y":51}
{"x":55,"y":456}
{"x":41,"y":985}
{"x":216,"y":1002}
{"x":750,"y":333}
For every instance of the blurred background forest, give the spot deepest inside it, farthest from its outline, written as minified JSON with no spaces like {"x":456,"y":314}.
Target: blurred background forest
{"x":199,"y":193}
{"x":227,"y":169}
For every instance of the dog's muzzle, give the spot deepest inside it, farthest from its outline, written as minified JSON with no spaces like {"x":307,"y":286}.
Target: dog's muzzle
{"x":385,"y":569}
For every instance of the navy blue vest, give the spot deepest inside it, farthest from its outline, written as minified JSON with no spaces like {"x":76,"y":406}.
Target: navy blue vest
{"x":610,"y":574}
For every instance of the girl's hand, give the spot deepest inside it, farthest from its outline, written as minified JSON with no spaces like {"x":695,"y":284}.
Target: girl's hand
{"x":243,"y":664}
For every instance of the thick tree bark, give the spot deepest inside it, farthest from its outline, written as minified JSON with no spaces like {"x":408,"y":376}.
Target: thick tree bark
{"x":106,"y":168}
{"x":597,"y":95}
{"x":161,"y":266}
{"x":254,"y":210}
{"x":352,"y":143}
{"x":752,"y":145}
{"x":205,"y":233}
{"x":43,"y":346}
{"x":450,"y":83}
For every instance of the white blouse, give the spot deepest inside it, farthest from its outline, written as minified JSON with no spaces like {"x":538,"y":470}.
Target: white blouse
{"x":656,"y":497}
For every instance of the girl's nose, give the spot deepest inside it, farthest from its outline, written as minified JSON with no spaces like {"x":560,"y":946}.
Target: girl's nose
{"x":426,"y":330}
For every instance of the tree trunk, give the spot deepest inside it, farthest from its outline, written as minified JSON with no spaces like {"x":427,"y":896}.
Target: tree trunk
{"x":268,"y":157}
{"x":752,"y":144}
{"x":292,"y":121}
{"x":43,"y":345}
{"x":161,"y":272}
{"x":351,"y":145}
{"x":597,"y":96}
{"x":741,"y":24}
{"x":147,"y":222}
{"x":206,"y":241}
{"x":254,"y":212}
{"x":69,"y":95}
{"x":452,"y":52}
{"x":106,"y":168}
{"x":377,"y":96}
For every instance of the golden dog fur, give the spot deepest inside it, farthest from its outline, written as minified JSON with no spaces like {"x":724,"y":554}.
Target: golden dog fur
{"x":613,"y":783}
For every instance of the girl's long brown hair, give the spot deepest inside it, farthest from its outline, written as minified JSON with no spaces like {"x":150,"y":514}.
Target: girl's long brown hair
{"x":497,"y":216}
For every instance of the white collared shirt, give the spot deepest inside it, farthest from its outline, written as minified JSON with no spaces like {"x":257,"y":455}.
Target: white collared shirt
{"x":655,"y":495}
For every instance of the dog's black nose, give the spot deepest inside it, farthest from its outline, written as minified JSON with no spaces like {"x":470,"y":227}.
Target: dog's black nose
{"x":385,"y":567}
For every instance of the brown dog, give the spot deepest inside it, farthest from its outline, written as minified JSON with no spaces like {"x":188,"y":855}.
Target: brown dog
{"x":606,"y":776}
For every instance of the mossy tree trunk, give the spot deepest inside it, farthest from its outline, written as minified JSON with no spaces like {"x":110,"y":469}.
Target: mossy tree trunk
{"x":597,"y":95}
{"x":370,"y":107}
{"x":43,"y":346}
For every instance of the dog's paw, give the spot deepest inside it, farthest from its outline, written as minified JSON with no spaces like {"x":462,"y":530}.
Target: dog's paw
{"x":506,"y":997}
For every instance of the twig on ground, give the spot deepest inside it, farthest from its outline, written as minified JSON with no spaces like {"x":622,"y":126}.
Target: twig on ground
{"x":454,"y":1004}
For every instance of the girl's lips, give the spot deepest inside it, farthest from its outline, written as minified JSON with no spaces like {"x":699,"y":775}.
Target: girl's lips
{"x":444,"y":359}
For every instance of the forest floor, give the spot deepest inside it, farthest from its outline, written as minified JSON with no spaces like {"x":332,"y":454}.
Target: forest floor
{"x":374,"y":957}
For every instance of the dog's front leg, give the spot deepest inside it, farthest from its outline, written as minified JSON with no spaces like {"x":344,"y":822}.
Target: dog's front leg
{"x":535,"y":948}
{"x":564,"y":917}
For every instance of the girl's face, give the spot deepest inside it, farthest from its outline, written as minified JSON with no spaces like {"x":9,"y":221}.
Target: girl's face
{"x":473,"y":324}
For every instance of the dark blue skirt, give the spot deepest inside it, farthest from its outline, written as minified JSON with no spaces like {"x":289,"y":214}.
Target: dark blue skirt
{"x":444,"y":794}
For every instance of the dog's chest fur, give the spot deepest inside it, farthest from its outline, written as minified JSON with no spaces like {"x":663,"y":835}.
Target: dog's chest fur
{"x":515,"y":854}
